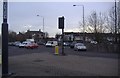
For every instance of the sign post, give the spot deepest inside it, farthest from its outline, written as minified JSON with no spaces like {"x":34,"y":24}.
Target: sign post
{"x":5,"y":40}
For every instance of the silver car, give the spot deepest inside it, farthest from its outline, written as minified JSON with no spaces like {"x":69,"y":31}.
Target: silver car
{"x":80,"y":46}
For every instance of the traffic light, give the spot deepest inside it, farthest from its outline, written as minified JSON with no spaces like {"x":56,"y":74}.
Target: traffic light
{"x":61,"y":22}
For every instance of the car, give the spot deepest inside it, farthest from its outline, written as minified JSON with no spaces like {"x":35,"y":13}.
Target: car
{"x":17,"y":43}
{"x":93,"y":42}
{"x":31,"y":45}
{"x":79,"y":46}
{"x":23,"y":44}
{"x":11,"y":43}
{"x":40,"y":43}
{"x":51,"y":43}
{"x":72,"y":44}
{"x":66,"y":43}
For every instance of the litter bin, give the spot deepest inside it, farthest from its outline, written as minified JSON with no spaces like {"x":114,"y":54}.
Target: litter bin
{"x":56,"y":50}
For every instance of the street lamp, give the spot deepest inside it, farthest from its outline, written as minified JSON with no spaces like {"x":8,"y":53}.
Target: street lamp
{"x":43,"y":21}
{"x":115,"y":22}
{"x":83,"y":22}
{"x":44,"y":34}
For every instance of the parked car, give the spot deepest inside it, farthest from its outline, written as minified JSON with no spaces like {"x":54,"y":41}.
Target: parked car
{"x":72,"y":44}
{"x":17,"y":43}
{"x":23,"y":44}
{"x":11,"y":43}
{"x":31,"y":45}
{"x":93,"y":42}
{"x":51,"y":43}
{"x":41,"y":43}
{"x":80,"y":46}
{"x":66,"y":44}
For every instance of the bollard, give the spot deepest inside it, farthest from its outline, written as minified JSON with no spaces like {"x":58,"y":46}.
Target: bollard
{"x":56,"y":50}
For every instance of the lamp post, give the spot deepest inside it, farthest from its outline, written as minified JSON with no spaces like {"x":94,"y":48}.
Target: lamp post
{"x":44,"y":34}
{"x":83,"y":22}
{"x":115,"y":22}
{"x":43,"y":21}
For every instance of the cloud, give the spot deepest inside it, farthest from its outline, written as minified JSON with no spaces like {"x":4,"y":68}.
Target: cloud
{"x":73,"y":30}
{"x":28,"y":26}
{"x":59,"y":0}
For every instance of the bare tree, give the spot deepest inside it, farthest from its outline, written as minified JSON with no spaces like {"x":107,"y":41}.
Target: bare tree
{"x":97,"y":23}
{"x":92,"y":21}
{"x":112,"y":20}
{"x":118,"y":13}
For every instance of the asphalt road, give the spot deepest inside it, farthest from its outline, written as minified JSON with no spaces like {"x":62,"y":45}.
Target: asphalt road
{"x":16,"y":51}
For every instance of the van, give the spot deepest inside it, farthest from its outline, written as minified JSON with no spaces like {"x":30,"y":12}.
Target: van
{"x":51,"y":43}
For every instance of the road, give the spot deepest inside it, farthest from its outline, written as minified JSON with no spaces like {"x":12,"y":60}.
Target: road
{"x":15,"y":51}
{"x":43,"y":62}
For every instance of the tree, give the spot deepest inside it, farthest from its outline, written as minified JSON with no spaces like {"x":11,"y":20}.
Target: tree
{"x":111,"y":20}
{"x":11,"y":36}
{"x":96,"y":23}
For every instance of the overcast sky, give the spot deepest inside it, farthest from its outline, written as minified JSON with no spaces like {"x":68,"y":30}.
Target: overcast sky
{"x":23,"y":15}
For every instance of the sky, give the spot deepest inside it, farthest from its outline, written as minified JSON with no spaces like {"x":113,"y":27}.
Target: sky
{"x":23,"y":15}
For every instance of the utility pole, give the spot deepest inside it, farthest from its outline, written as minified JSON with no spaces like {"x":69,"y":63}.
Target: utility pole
{"x":61,"y":26}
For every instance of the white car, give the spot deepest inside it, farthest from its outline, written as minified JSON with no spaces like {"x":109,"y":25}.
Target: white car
{"x":23,"y":44}
{"x":80,"y":46}
{"x":93,"y":42}
{"x":17,"y":43}
{"x":51,"y":44}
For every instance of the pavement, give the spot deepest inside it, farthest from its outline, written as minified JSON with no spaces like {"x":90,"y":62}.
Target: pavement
{"x":47,"y":64}
{"x":0,"y":64}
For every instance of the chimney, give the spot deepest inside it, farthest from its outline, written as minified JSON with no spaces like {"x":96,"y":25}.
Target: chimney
{"x":39,"y":30}
{"x":28,"y":30}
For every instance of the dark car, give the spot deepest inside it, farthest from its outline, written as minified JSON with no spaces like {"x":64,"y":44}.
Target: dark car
{"x":72,"y":44}
{"x":66,"y":43}
{"x":41,"y":43}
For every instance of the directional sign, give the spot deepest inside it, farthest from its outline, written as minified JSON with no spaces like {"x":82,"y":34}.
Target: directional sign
{"x":4,"y":10}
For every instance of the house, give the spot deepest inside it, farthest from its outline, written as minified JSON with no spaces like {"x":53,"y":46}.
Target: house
{"x":36,"y":35}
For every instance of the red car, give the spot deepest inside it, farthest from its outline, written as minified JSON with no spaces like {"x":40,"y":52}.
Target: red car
{"x":31,"y":45}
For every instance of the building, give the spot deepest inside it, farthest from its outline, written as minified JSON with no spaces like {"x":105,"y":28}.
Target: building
{"x":74,"y":36}
{"x":38,"y":36}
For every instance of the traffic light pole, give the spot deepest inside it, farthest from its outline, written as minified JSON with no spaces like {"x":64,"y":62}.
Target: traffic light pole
{"x":63,"y":42}
{"x":61,"y":26}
